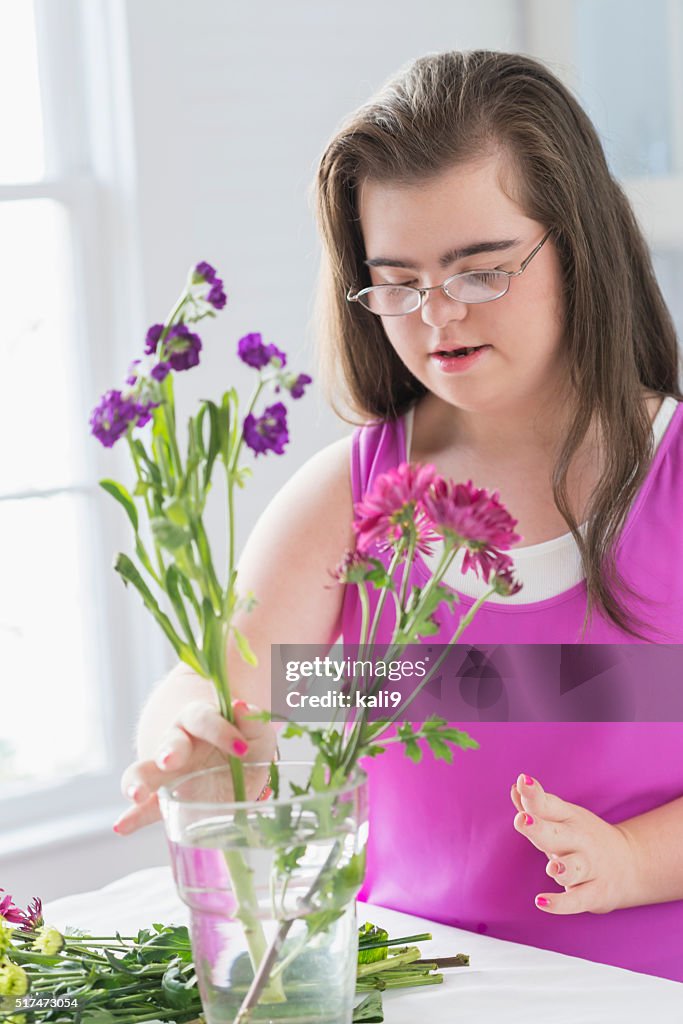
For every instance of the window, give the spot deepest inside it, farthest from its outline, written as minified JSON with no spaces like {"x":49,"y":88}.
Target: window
{"x":624,"y":60}
{"x":66,"y":698}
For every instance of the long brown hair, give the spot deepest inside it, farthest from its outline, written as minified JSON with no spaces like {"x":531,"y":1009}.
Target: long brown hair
{"x":447,"y":108}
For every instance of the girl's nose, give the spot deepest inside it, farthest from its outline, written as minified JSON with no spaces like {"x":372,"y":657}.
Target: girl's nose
{"x":438,"y":309}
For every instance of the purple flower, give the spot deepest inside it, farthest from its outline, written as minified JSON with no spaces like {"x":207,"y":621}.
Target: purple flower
{"x":203,"y":272}
{"x":160,"y":371}
{"x":253,"y":352}
{"x":144,"y":412}
{"x":110,"y":419}
{"x":296,"y":388}
{"x":152,"y":339}
{"x":216,"y":297}
{"x":181,"y":347}
{"x":267,"y":433}
{"x":9,"y":912}
{"x":132,"y":377}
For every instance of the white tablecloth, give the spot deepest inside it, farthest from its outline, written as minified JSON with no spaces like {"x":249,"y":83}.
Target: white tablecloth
{"x":505,"y":984}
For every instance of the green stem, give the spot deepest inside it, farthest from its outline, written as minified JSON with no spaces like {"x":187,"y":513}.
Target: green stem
{"x":464,"y":622}
{"x":383,"y":596}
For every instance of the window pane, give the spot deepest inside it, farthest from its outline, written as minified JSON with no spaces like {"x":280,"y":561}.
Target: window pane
{"x":22,"y":156}
{"x":625,"y":63}
{"x":39,"y":384}
{"x":49,"y":724}
{"x":668,"y":264}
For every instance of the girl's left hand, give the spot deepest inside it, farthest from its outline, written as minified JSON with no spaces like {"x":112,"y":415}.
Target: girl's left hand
{"x":594,"y":861}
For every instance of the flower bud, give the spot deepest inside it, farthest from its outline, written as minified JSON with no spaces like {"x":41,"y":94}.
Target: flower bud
{"x":48,"y":941}
{"x":13,"y":979}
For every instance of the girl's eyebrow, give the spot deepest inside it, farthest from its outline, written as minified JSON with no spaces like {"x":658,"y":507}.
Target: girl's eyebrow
{"x":449,"y":257}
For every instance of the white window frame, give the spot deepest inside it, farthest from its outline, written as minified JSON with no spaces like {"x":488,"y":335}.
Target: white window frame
{"x":90,"y":170}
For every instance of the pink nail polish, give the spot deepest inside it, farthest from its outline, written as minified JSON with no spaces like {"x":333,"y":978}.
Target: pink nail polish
{"x":528,"y":781}
{"x":240,"y":705}
{"x":541,"y":901}
{"x":240,"y":747}
{"x":164,"y":758}
{"x":528,"y":820}
{"x":560,"y":867}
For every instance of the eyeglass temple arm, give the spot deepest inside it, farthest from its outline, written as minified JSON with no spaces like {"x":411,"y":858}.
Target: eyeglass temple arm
{"x":531,"y":255}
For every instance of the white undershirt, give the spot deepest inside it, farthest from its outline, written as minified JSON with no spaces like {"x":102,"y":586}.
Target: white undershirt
{"x":545,"y":569}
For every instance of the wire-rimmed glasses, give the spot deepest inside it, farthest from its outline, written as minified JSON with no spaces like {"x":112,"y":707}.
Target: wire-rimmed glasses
{"x":471,"y":286}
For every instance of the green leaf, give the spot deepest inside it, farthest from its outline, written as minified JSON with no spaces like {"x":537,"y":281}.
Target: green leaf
{"x":244,"y":648}
{"x":291,"y":730}
{"x":241,"y":476}
{"x":119,"y":492}
{"x":439,"y":748}
{"x":320,"y":920}
{"x":168,"y":535}
{"x":274,"y":779}
{"x":181,"y":993}
{"x":176,"y":512}
{"x":369,"y":1011}
{"x":209,"y":447}
{"x":129,"y":574}
{"x":371,"y":933}
{"x":413,"y":751}
{"x":318,"y":778}
{"x":212,"y":643}
{"x":173,"y":576}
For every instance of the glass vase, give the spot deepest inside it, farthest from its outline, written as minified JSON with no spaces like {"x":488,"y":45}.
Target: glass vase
{"x":271,"y":888}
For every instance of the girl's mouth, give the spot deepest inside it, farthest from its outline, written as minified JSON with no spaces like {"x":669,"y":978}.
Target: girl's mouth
{"x":454,"y":360}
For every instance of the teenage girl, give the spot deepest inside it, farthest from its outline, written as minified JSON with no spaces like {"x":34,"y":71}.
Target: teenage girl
{"x":469,"y":206}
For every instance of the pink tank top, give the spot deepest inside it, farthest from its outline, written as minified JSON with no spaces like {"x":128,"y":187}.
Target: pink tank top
{"x":442,"y":843}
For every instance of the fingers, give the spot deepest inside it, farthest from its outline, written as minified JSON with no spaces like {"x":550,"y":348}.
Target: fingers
{"x":251,"y":728}
{"x":203,"y":720}
{"x":515,"y":797}
{"x":538,"y":803}
{"x":571,"y":869}
{"x":145,"y":813}
{"x":197,"y":724}
{"x":576,"y":900}
{"x":547,"y":836}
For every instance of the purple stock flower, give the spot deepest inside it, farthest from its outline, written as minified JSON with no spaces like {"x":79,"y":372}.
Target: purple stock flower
{"x":152,"y":339}
{"x":9,"y":912}
{"x":296,"y":387}
{"x":253,"y":352}
{"x":132,"y":377}
{"x":110,"y":419}
{"x":160,"y":371}
{"x":181,"y":347}
{"x":216,"y":297}
{"x":204,"y":272}
{"x":267,"y":433}
{"x":144,"y":412}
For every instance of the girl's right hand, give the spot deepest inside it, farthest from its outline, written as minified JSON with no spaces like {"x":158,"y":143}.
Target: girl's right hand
{"x":199,"y":738}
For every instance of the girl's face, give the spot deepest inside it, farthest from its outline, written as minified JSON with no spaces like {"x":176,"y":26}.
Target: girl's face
{"x":425,"y":228}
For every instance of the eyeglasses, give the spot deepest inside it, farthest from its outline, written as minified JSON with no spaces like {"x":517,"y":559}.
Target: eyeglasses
{"x":472,"y":286}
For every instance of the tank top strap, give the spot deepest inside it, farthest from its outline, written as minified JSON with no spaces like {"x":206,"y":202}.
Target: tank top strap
{"x":375,"y":448}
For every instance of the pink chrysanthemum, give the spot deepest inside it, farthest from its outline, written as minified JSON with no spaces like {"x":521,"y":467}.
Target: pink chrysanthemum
{"x":33,"y":916}
{"x":394,"y":509}
{"x":470,"y":516}
{"x":9,"y":912}
{"x":504,"y":582}
{"x":352,"y":568}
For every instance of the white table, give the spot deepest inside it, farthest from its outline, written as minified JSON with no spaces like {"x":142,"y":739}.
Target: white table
{"x":505,"y":984}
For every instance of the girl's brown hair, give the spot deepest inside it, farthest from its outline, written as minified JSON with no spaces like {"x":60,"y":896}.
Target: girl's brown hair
{"x":447,"y":108}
